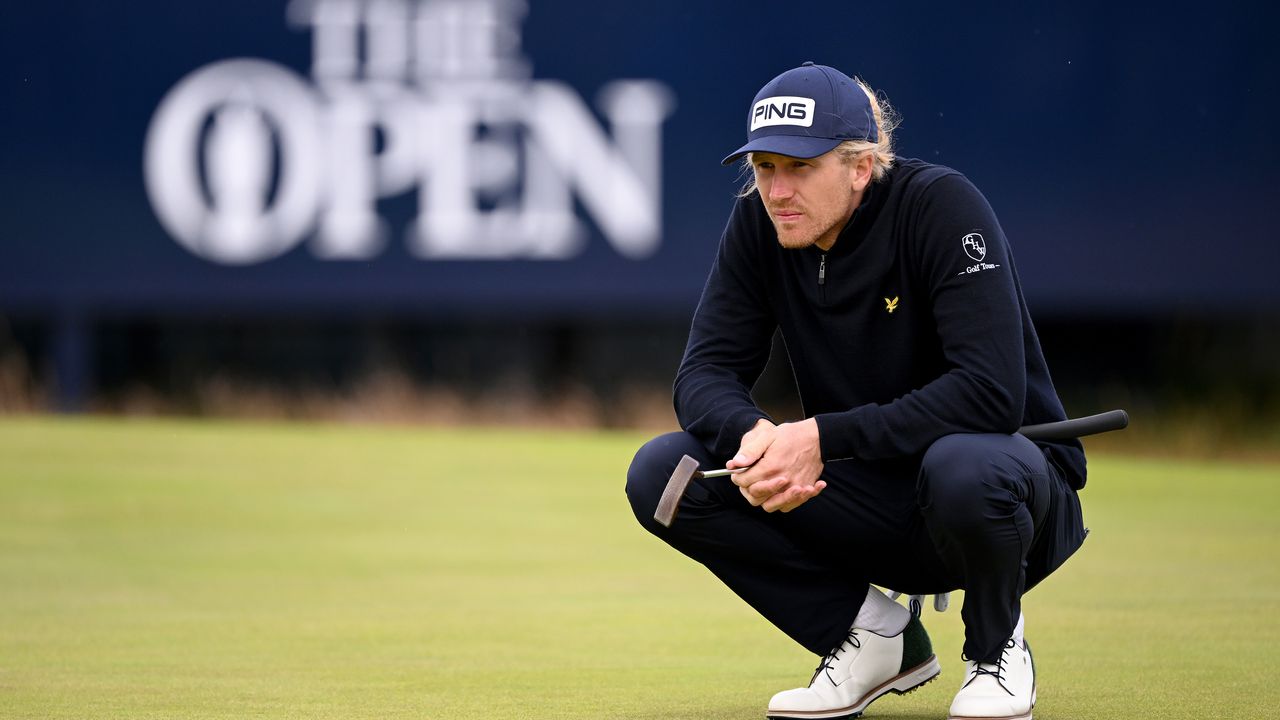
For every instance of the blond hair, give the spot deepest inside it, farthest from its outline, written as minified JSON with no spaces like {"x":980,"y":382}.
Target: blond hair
{"x":887,"y":120}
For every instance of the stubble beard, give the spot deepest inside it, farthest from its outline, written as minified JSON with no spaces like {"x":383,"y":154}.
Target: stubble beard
{"x":816,"y":224}
{"x":806,"y":235}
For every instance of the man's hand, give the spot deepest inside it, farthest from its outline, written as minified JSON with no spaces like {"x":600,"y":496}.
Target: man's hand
{"x":784,"y":461}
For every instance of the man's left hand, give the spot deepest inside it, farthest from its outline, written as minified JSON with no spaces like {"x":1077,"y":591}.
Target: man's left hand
{"x":787,"y":475}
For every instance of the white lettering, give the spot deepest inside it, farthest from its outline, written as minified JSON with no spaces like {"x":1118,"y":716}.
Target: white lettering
{"x":979,"y":267}
{"x":431,"y":95}
{"x":782,"y":110}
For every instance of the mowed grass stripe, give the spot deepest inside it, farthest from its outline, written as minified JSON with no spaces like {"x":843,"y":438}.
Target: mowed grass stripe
{"x":212,"y":569}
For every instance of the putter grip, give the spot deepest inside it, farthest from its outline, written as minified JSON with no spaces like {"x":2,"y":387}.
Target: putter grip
{"x":1078,"y":427}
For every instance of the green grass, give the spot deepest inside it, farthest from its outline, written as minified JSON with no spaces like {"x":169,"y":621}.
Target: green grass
{"x":155,"y":569}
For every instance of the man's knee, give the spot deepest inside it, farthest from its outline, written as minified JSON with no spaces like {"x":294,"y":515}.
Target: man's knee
{"x":955,"y":484}
{"x":651,"y":468}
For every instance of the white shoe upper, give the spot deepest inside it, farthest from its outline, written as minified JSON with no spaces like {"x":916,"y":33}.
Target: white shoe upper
{"x":863,"y":662}
{"x":1004,"y":690}
{"x":849,"y":678}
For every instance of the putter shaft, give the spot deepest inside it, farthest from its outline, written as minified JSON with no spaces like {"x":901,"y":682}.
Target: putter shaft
{"x":718,"y":473}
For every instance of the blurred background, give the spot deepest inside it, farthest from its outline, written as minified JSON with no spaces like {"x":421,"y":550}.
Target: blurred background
{"x":500,"y":211}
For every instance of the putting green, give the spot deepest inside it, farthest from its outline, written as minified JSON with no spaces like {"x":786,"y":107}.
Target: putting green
{"x":184,"y":569}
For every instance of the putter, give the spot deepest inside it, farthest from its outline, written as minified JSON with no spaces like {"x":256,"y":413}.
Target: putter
{"x":687,"y":470}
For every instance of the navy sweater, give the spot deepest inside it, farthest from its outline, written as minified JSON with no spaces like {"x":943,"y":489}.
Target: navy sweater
{"x":913,"y":326}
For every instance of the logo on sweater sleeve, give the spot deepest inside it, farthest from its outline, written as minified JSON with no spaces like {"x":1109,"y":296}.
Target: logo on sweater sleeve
{"x":976,"y":248}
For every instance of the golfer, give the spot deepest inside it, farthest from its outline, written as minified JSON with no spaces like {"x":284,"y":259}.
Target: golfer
{"x":916,"y":361}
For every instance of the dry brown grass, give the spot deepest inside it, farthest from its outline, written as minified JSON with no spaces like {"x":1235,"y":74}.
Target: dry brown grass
{"x":20,"y":392}
{"x":1224,"y":429}
{"x":394,"y":398}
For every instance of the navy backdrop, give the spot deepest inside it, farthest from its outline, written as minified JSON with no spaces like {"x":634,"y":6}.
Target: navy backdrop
{"x":1130,"y":152}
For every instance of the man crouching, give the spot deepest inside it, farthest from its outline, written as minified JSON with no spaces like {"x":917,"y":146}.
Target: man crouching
{"x":916,"y":362}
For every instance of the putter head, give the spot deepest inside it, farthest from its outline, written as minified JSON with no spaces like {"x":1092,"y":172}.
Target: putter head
{"x":669,"y":503}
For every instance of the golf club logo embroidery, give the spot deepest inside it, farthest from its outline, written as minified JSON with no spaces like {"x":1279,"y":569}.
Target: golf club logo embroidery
{"x":974,"y":246}
{"x":891,"y":304}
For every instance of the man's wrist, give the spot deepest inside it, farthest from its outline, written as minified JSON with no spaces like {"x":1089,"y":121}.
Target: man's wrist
{"x":814,"y":434}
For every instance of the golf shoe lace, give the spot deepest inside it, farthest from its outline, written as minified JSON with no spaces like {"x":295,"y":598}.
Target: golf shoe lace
{"x":995,"y":670}
{"x":851,"y":641}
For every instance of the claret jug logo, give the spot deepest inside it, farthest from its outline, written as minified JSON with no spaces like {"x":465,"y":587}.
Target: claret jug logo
{"x":245,"y":159}
{"x":782,"y":110}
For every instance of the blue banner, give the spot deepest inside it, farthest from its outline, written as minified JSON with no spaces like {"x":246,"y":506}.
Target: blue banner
{"x":438,"y":156}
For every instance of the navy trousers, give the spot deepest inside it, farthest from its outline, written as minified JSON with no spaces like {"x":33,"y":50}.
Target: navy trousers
{"x":967,"y":515}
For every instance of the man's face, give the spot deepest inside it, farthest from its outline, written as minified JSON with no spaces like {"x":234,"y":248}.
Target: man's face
{"x":809,"y":200}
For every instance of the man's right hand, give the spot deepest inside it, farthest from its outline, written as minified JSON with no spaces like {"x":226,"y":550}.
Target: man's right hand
{"x":785,"y":478}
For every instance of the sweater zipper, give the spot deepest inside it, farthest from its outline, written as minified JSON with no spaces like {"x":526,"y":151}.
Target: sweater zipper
{"x":822,"y":277}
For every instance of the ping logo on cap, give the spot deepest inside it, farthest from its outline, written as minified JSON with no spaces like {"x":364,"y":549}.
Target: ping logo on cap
{"x":782,"y":110}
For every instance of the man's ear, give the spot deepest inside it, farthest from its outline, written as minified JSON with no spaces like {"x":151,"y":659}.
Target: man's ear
{"x":861,"y":175}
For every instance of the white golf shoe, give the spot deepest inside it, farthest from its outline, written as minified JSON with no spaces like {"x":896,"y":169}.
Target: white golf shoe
{"x":1005,"y":690}
{"x":864,"y":667}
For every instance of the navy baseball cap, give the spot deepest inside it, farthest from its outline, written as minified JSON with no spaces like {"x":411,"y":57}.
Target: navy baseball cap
{"x":806,"y":112}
